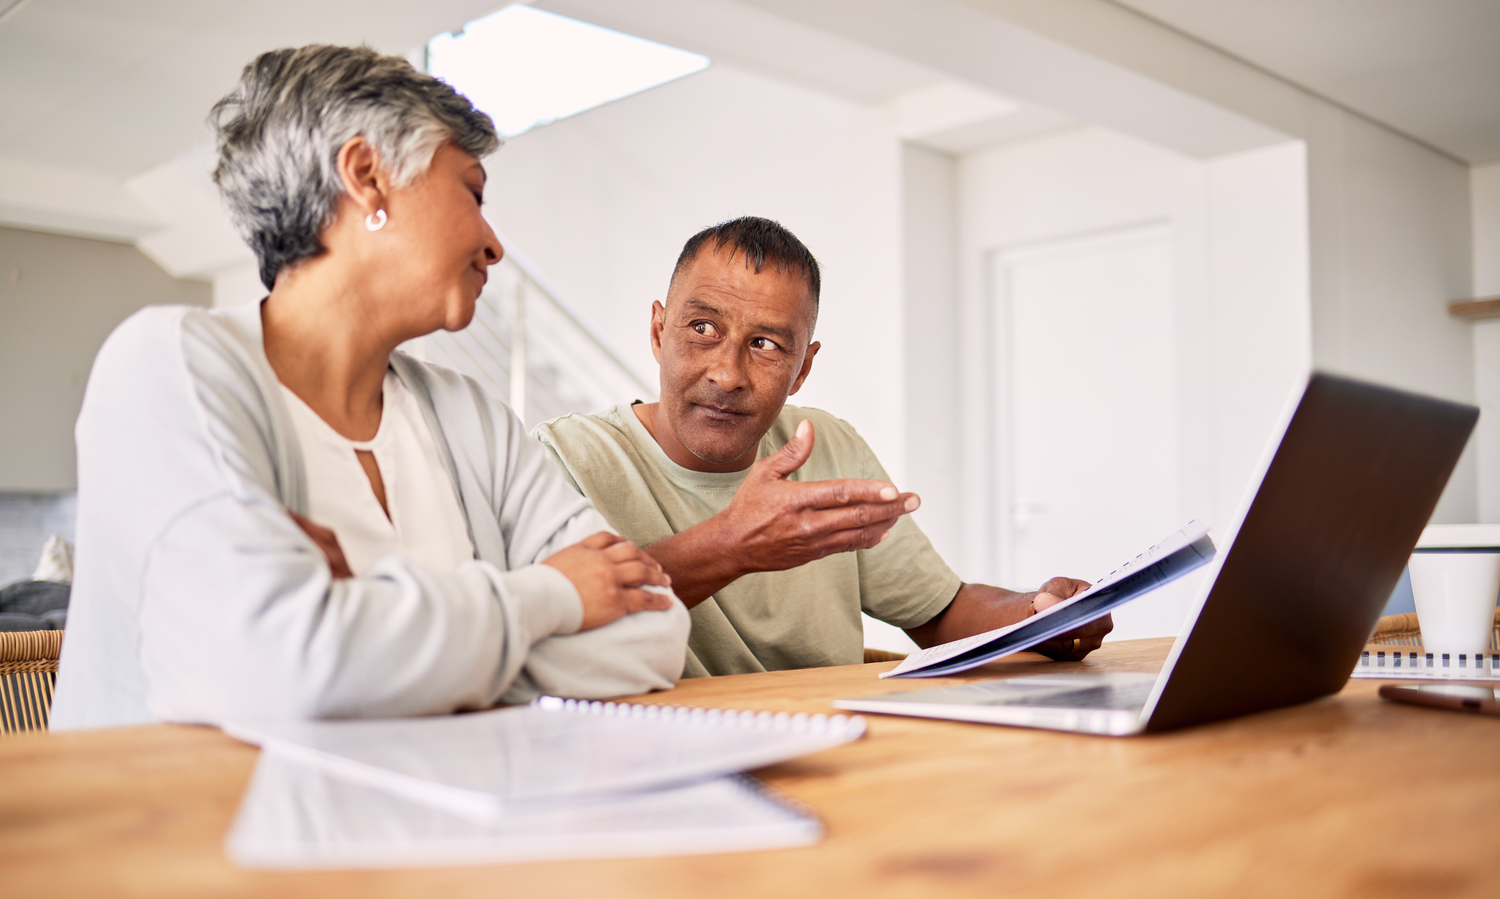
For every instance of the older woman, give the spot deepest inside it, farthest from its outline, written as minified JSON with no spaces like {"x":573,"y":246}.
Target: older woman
{"x":281,"y":515}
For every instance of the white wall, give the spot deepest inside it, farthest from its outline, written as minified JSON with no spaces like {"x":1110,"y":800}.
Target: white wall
{"x":1484,"y":182}
{"x":1389,"y":222}
{"x":59,"y":298}
{"x":604,"y":201}
{"x":238,"y":285}
{"x":934,"y":410}
{"x":1485,"y":199}
{"x":1239,"y":226}
{"x":1258,"y":272}
{"x":1391,"y":247}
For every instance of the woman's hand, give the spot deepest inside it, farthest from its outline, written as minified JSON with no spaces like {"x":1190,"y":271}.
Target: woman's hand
{"x":608,"y":572}
{"x":327,"y":541}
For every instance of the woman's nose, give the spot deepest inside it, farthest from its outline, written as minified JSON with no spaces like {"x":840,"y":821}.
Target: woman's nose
{"x":493,"y":250}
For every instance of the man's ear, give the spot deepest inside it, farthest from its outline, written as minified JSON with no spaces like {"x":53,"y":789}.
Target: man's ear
{"x":812,"y":350}
{"x":658,"y":321}
{"x":365,"y":182}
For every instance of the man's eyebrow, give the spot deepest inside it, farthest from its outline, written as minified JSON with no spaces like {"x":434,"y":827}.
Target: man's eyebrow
{"x":701,"y":306}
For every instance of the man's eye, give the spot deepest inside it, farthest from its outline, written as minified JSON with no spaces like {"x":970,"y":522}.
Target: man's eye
{"x":706,"y":329}
{"x":762,"y":343}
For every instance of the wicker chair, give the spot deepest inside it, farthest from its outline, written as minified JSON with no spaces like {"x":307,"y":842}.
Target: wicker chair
{"x":28,"y":669}
{"x":1403,"y":630}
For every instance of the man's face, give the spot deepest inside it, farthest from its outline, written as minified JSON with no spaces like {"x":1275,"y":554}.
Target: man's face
{"x":733,"y":344}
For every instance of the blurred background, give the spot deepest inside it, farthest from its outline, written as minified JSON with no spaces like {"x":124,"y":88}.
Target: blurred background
{"x":1077,"y":254}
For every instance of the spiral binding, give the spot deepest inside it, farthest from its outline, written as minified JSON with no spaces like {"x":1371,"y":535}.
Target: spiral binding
{"x":774,"y":797}
{"x":784,"y":722}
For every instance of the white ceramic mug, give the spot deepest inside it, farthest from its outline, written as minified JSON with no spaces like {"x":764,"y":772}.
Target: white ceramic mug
{"x":1455,"y":590}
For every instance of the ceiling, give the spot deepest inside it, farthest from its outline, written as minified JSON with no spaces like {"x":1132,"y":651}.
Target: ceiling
{"x":1428,"y":68}
{"x":742,"y":35}
{"x":102,"y":103}
{"x":119,"y":87}
{"x":116,"y":88}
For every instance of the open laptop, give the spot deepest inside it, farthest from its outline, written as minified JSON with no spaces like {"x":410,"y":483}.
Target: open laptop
{"x":1346,"y":487}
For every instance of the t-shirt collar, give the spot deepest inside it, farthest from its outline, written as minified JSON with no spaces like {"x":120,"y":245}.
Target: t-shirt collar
{"x":709,"y":480}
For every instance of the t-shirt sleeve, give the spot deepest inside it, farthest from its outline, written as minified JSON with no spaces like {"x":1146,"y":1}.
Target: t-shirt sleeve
{"x":543,"y":435}
{"x":902,"y":580}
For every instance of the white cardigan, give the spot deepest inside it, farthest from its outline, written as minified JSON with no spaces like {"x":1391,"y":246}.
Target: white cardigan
{"x":196,"y":598}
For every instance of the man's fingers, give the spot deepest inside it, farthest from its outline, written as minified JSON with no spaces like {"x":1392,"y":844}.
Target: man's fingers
{"x":1043,"y":600}
{"x":1088,"y":638}
{"x":1056,"y":590}
{"x":852,"y":491}
{"x":859,"y":538}
{"x":797,"y":450}
{"x":845,"y":518}
{"x":1064,"y":587}
{"x":1097,"y":629}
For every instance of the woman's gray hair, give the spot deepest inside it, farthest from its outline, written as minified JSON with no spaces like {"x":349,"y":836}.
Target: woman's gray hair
{"x":280,"y":130}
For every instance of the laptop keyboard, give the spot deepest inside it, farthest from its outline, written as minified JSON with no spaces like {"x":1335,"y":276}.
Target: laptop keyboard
{"x":1123,"y":697}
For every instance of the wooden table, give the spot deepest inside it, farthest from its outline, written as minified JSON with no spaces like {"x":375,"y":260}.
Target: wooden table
{"x":1349,"y":796}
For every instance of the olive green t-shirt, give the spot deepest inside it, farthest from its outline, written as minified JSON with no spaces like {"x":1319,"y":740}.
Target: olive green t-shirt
{"x":805,"y":617}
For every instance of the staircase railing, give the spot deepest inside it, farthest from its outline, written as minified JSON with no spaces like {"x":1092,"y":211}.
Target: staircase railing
{"x":529,"y":344}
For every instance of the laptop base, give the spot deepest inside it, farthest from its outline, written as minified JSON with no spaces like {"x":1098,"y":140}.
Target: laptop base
{"x":1108,"y":704}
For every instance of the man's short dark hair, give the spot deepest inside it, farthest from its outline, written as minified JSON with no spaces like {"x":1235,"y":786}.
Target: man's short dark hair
{"x":762,"y":241}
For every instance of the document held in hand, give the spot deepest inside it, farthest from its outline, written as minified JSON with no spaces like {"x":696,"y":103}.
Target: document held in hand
{"x":1163,"y":563}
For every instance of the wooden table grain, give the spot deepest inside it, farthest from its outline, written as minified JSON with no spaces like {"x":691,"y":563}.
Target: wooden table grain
{"x":1348,"y":796}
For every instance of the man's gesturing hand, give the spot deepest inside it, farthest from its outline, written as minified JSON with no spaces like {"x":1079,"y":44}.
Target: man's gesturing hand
{"x":608,"y":572}
{"x":1075,"y":644}
{"x":774,"y":524}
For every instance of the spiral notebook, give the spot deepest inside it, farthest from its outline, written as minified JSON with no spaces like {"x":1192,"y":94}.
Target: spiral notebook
{"x":297,"y":816}
{"x":1397,"y":663}
{"x":490,"y":764}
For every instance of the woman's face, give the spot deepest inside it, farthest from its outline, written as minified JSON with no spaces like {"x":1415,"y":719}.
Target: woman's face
{"x":439,"y":247}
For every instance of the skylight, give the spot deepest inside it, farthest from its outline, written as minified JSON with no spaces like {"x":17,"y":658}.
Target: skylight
{"x":526,"y":67}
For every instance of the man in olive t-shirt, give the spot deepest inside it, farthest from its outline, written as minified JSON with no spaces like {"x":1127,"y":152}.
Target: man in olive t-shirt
{"x":796,"y":618}
{"x":776,"y":523}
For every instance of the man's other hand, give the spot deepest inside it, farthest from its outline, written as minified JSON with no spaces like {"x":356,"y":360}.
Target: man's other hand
{"x":608,"y":572}
{"x":1075,"y":644}
{"x":774,"y":524}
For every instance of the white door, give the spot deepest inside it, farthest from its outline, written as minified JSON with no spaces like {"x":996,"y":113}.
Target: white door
{"x":1088,"y":404}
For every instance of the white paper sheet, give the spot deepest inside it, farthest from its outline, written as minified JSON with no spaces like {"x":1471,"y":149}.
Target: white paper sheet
{"x":485,"y":764}
{"x":296,"y":816}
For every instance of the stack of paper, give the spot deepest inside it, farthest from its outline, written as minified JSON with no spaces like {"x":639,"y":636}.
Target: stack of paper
{"x":295,"y":816}
{"x":558,"y":779}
